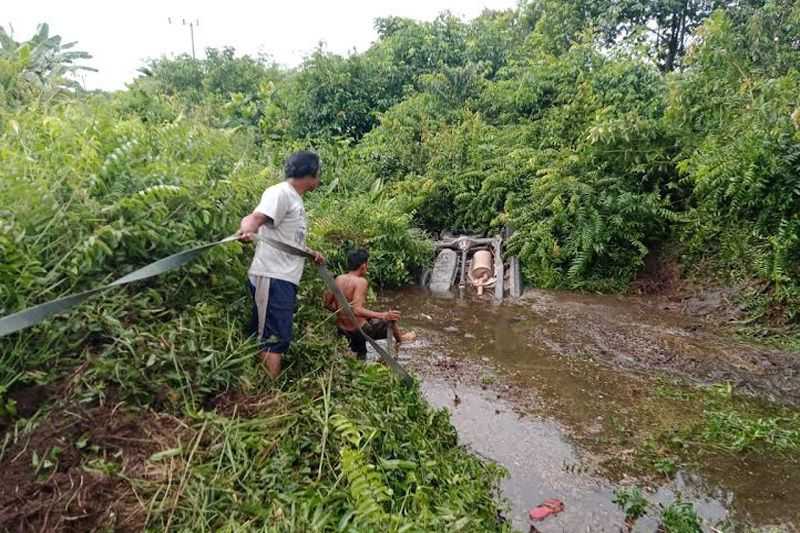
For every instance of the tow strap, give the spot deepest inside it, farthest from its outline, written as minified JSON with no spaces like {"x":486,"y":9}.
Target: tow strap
{"x":38,"y":313}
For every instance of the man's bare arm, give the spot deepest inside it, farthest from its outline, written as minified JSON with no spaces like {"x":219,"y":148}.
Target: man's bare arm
{"x":250,"y":224}
{"x":360,"y":297}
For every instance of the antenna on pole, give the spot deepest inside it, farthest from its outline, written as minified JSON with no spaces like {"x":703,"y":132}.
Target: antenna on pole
{"x":192,"y":23}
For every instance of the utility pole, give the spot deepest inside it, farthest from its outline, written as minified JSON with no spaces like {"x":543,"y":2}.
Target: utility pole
{"x":192,"y":25}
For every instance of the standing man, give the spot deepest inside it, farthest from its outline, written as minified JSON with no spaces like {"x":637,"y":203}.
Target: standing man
{"x":274,"y":275}
{"x":377,"y":325}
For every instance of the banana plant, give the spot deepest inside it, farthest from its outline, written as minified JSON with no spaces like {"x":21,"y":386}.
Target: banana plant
{"x":40,"y":68}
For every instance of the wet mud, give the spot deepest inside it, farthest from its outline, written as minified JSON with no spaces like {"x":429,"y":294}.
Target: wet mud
{"x":651,"y":334}
{"x":564,"y":389}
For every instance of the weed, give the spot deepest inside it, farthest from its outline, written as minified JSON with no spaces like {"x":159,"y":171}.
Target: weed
{"x":665,"y":466}
{"x":47,"y":463}
{"x":674,"y":393}
{"x":631,"y":501}
{"x":300,"y":469}
{"x":680,"y":517}
{"x":676,"y":517}
{"x":730,"y":423}
{"x":739,"y":432}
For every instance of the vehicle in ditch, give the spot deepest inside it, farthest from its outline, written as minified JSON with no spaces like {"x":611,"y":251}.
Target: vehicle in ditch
{"x":476,"y":265}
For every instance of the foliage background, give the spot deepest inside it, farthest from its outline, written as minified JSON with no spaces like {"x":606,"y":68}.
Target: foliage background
{"x":603,"y":133}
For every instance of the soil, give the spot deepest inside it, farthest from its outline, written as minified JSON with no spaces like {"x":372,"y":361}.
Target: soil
{"x":663,"y":282}
{"x":85,"y":458}
{"x":660,"y":276}
{"x":682,"y":335}
{"x":27,"y":400}
{"x":237,"y":403}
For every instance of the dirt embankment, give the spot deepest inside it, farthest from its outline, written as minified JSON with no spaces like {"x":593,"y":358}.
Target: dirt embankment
{"x":96,"y":468}
{"x":72,"y":472}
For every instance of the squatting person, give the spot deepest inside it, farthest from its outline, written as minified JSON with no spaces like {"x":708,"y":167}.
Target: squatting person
{"x":274,"y":275}
{"x":354,"y":287}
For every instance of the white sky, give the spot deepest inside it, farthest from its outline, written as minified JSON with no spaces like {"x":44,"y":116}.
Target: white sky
{"x":121,"y":34}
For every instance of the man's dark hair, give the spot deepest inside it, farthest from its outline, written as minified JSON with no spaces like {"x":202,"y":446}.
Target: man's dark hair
{"x":302,"y":164}
{"x":356,"y":258}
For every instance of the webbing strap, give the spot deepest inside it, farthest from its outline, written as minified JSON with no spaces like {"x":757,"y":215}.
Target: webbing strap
{"x":38,"y":313}
{"x":344,"y":305}
{"x":33,"y":315}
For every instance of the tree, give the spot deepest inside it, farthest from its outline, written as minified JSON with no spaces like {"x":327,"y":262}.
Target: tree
{"x":663,"y":27}
{"x":221,"y":73}
{"x":666,"y":24}
{"x":334,"y":95}
{"x":41,"y":67}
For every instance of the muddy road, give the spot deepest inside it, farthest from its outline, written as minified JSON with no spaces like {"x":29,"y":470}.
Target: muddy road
{"x":653,"y":334}
{"x":566,"y":390}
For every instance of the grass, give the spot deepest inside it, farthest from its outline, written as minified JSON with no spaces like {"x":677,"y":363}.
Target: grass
{"x":345,"y":448}
{"x":680,"y":517}
{"x":335,"y":445}
{"x":704,"y":429}
{"x":632,"y":503}
{"x":737,"y":432}
{"x":676,"y":517}
{"x":717,"y":420}
{"x":738,"y":424}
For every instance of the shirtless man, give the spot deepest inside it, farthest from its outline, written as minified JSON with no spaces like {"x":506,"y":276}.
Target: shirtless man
{"x":354,"y":287}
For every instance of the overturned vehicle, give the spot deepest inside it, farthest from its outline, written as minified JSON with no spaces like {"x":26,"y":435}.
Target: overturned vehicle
{"x":474,"y":264}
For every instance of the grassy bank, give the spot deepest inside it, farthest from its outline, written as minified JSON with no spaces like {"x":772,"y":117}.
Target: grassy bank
{"x":344,"y":447}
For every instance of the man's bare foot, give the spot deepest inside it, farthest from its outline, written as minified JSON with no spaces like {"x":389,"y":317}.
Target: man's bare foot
{"x":407,"y":336}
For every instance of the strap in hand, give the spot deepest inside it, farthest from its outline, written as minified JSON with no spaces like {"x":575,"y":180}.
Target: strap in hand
{"x":344,"y":305}
{"x":38,"y":313}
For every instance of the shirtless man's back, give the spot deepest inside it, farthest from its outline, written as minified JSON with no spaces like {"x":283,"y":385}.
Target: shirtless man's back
{"x":354,"y":288}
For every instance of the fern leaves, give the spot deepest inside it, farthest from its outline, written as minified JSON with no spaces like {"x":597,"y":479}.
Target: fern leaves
{"x":366,"y":486}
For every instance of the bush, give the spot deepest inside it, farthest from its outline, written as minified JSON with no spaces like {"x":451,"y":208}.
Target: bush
{"x":397,"y":252}
{"x":732,"y":112}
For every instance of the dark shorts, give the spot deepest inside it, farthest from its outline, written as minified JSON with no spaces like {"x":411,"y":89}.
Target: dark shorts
{"x":282,"y":302}
{"x":375,"y":328}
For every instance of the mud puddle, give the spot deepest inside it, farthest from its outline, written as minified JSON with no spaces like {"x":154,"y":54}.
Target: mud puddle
{"x":568,"y":427}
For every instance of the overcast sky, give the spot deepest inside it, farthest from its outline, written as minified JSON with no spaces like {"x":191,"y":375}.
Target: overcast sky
{"x":120,"y":34}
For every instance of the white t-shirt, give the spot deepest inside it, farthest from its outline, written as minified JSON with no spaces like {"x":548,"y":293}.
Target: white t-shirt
{"x":284,"y":206}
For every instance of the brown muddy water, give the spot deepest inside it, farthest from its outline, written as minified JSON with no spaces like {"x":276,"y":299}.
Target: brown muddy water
{"x":561,"y":389}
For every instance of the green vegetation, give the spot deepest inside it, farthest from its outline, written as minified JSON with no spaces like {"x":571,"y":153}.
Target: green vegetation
{"x":327,"y":454}
{"x":602,"y":136}
{"x":598,"y":134}
{"x":677,"y":517}
{"x":740,"y":425}
{"x":737,"y":433}
{"x":707,"y":422}
{"x":102,"y":184}
{"x":680,"y":517}
{"x":632,"y":503}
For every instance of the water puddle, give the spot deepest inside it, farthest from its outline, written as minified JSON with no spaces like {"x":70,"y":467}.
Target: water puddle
{"x":564,"y":425}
